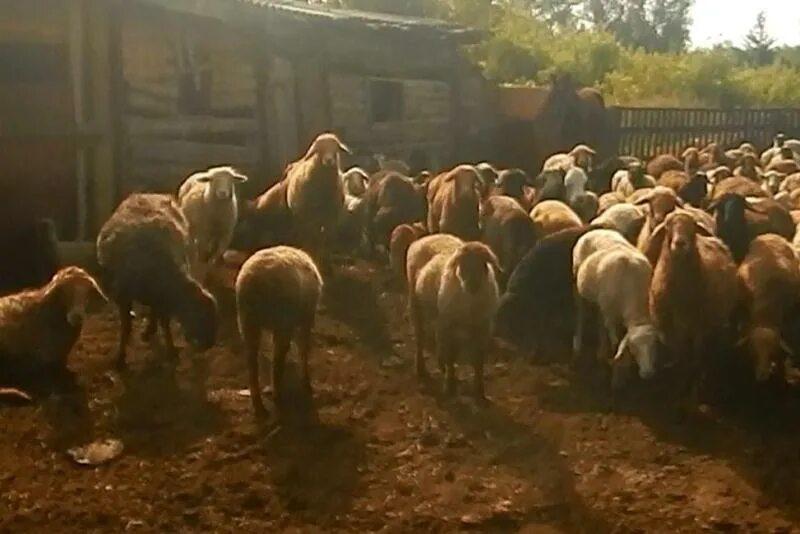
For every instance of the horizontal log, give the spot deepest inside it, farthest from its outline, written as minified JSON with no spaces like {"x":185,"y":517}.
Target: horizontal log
{"x":191,"y":126}
{"x":199,"y":154}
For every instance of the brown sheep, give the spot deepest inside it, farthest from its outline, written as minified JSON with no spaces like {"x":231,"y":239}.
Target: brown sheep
{"x":39,"y":327}
{"x":145,"y":253}
{"x":507,"y":230}
{"x":790,"y":183}
{"x":453,"y":284}
{"x":785,"y":162}
{"x":693,"y":293}
{"x":769,"y":279}
{"x":391,"y":200}
{"x":402,"y":237}
{"x":266,"y":221}
{"x":454,"y":203}
{"x":551,"y":216}
{"x":315,"y":194}
{"x":513,"y":183}
{"x":663,"y":163}
{"x":278,"y":289}
{"x":580,"y":156}
{"x":737,"y":185}
{"x":661,"y":201}
{"x":749,"y":168}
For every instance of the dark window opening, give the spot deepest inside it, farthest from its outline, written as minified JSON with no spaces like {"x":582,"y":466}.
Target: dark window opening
{"x":32,"y":63}
{"x":386,"y":100}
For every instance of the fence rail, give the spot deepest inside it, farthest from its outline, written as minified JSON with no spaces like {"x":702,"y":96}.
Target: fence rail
{"x":647,"y":132}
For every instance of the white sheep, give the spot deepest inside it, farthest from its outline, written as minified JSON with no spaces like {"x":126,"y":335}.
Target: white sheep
{"x":626,"y":219}
{"x":454,"y":285}
{"x":613,"y":275}
{"x":210,"y":204}
{"x":355,"y":181}
{"x":575,"y":184}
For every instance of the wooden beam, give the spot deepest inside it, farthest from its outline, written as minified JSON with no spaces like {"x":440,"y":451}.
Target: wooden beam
{"x":78,"y":73}
{"x":191,"y":126}
{"x":190,"y":151}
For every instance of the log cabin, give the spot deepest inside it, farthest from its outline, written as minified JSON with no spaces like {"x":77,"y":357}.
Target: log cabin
{"x":101,"y":98}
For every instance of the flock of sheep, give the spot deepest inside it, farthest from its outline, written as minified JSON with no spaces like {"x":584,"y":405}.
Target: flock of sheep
{"x":662,"y":263}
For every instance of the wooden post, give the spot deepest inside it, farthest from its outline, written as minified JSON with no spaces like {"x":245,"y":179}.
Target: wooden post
{"x":77,"y":62}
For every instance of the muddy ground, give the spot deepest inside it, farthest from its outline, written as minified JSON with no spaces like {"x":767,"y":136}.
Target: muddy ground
{"x":546,"y":455}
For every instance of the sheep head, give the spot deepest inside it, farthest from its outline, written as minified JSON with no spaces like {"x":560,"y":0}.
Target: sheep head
{"x":471,"y":264}
{"x":780,"y":139}
{"x":196,"y":310}
{"x":327,"y":148}
{"x":691,"y":157}
{"x":640,"y":345}
{"x":355,"y":181}
{"x":468,"y":183}
{"x":767,"y":348}
{"x":220,"y":182}
{"x":678,"y":234}
{"x":511,"y":182}
{"x":662,"y":201}
{"x":583,"y":156}
{"x":747,"y":148}
{"x":77,"y":289}
{"x":773,"y":180}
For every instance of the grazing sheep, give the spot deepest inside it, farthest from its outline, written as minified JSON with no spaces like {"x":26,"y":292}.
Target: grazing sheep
{"x":39,"y":327}
{"x":663,"y":163}
{"x":627,"y":182}
{"x":454,"y":203}
{"x":511,"y":183}
{"x":453,"y":284}
{"x":144,"y":252}
{"x":402,"y":237}
{"x":614,"y":276}
{"x":693,"y":292}
{"x":391,"y":200}
{"x":626,"y":219}
{"x":211,"y":206}
{"x":550,"y":186}
{"x":315,"y":195}
{"x":769,"y":279}
{"x":542,"y":283}
{"x":278,"y":289}
{"x":507,"y":230}
{"x":355,"y":182}
{"x":580,"y":156}
{"x":552,"y":216}
{"x":33,"y":245}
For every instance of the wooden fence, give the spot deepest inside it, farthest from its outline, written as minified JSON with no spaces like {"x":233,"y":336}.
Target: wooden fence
{"x":646,"y":132}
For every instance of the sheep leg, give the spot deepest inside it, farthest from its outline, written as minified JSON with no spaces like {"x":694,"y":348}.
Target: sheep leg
{"x":479,"y":356}
{"x":446,"y":349}
{"x":252,"y":341}
{"x":419,"y":334}
{"x":126,"y":323}
{"x":166,"y":331}
{"x":150,"y":328}
{"x":281,"y":342}
{"x":304,"y":346}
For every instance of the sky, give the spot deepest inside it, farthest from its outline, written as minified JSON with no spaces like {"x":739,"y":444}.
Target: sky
{"x":716,"y":21}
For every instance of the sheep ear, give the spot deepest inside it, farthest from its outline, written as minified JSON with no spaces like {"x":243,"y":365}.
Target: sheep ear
{"x":99,"y":291}
{"x":203,"y":178}
{"x":621,"y":350}
{"x":449,"y":177}
{"x":702,"y":229}
{"x":492,"y":260}
{"x":343,"y":147}
{"x":653,"y":246}
{"x":752,"y":208}
{"x":241,"y":178}
{"x":644,"y":200}
{"x":680,"y":202}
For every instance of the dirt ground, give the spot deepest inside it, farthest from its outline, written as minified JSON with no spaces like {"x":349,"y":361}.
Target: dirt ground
{"x":546,"y":455}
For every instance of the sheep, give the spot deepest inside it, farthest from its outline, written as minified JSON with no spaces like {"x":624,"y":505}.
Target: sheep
{"x":626,"y":182}
{"x":748,"y":167}
{"x":736,"y":154}
{"x":401,"y":239}
{"x":575,"y":181}
{"x":769,"y":278}
{"x":662,"y":201}
{"x":586,"y":205}
{"x":790,"y":183}
{"x":691,"y":159}
{"x":34,"y":247}
{"x":391,"y":200}
{"x":355,"y":181}
{"x":39,"y":327}
{"x":626,"y":219}
{"x":454,"y":202}
{"x":600,"y":176}
{"x":454,"y":284}
{"x":550,"y":186}
{"x":489,"y":176}
{"x":541,"y":283}
{"x":713,"y":156}
{"x":511,"y":183}
{"x":393,"y":165}
{"x":737,"y":185}
{"x":551,"y":216}
{"x":211,"y":206}
{"x":778,"y":142}
{"x":607,"y":200}
{"x":740,"y":220}
{"x":614,"y":276}
{"x":144,"y":253}
{"x":580,"y":156}
{"x":314,"y":193}
{"x":663,"y":163}
{"x":772,"y":182}
{"x":719,"y":174}
{"x":277,"y":289}
{"x":507,"y":230}
{"x":266,"y":221}
{"x":693,"y":292}
{"x":692,"y":188}
{"x":785,"y":162}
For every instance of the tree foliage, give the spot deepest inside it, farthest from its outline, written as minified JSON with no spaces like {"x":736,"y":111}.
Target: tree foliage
{"x":635,"y":51}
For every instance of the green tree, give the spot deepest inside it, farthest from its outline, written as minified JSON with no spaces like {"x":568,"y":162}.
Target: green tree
{"x":758,"y":44}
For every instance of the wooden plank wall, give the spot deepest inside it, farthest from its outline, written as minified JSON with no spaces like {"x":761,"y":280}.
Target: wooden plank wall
{"x":163,"y":143}
{"x":647,"y":132}
{"x":424,"y":127}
